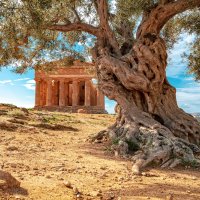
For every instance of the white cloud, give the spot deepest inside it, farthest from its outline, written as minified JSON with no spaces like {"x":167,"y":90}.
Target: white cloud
{"x":188,"y":98}
{"x":189,"y":78}
{"x":188,"y":38}
{"x":177,"y":66}
{"x":30,"y":85}
{"x":30,"y":82}
{"x":110,"y":105}
{"x":6,"y":82}
{"x":22,"y":79}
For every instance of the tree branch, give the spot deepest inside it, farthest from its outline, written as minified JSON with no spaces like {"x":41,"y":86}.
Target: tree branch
{"x":164,"y":1}
{"x":130,"y":78}
{"x":102,"y":6}
{"x":77,"y":26}
{"x":95,"y":5}
{"x":154,"y":20}
{"x":73,"y":8}
{"x":76,"y":14}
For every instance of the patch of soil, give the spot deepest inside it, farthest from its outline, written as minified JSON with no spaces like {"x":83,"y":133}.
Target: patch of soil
{"x":56,"y":162}
{"x":3,"y":112}
{"x":6,"y":106}
{"x":55,"y":127}
{"x":17,"y":121}
{"x":8,"y":126}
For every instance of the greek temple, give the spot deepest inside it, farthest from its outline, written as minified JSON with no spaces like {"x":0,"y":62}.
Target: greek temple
{"x":68,"y":89}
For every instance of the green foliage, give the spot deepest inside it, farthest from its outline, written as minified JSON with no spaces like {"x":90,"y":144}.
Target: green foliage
{"x":132,"y":145}
{"x":171,"y":32}
{"x":27,"y":41}
{"x":193,"y":163}
{"x":189,"y":22}
{"x":116,"y":141}
{"x":194,"y":59}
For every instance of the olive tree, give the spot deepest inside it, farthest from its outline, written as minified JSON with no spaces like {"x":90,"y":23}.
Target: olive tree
{"x":131,"y":40}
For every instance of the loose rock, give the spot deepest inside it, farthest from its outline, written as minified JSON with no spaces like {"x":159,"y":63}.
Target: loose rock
{"x":67,"y":184}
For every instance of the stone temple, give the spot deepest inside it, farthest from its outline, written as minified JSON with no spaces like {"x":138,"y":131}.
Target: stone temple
{"x":68,"y":89}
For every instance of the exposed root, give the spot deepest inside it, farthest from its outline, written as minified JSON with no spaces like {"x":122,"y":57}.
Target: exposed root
{"x":98,"y":136}
{"x":150,"y":126}
{"x":167,"y":151}
{"x":147,"y":146}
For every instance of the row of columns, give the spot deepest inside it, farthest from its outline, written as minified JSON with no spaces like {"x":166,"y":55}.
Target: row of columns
{"x":62,"y":93}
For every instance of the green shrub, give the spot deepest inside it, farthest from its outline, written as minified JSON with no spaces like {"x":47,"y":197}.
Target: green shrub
{"x":115,"y":141}
{"x":17,"y":113}
{"x":132,"y":146}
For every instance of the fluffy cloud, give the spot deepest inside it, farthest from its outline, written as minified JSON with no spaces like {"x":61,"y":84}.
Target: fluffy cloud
{"x":31,"y":82}
{"x":188,"y":98}
{"x":30,"y":85}
{"x":188,"y":91}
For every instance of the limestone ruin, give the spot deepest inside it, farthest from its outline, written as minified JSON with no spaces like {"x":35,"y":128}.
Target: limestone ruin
{"x":68,"y":89}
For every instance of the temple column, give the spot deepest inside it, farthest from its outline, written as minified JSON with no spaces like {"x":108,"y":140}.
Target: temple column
{"x":75,"y":93}
{"x":41,"y":92}
{"x":100,"y":99}
{"x":37,"y":92}
{"x":49,"y":93}
{"x":62,"y":93}
{"x":87,"y":93}
{"x":66,"y":86}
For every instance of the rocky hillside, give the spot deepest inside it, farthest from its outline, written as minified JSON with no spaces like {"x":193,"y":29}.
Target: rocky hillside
{"x":46,"y":156}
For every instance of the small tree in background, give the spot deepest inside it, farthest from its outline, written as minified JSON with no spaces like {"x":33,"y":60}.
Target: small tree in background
{"x":130,"y":51}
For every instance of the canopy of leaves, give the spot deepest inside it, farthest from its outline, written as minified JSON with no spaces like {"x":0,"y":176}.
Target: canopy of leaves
{"x":26,"y":39}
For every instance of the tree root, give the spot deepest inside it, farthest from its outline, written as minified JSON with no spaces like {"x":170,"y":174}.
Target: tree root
{"x":150,"y":145}
{"x":98,"y":136}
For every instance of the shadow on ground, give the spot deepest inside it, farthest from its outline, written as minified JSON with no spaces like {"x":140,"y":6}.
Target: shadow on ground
{"x":5,"y":194}
{"x":154,"y":191}
{"x":55,"y":127}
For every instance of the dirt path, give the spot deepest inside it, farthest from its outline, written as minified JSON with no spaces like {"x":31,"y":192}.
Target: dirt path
{"x":46,"y":161}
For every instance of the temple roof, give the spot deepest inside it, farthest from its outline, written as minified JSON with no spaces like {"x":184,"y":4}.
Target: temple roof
{"x":64,"y":63}
{"x":60,"y":69}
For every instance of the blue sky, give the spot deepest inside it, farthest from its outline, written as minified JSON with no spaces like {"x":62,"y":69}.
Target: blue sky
{"x":20,"y":89}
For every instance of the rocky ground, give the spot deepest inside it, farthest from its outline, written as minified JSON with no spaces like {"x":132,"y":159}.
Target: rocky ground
{"x":48,"y":155}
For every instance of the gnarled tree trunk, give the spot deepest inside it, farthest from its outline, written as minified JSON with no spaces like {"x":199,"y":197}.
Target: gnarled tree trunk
{"x":150,"y":125}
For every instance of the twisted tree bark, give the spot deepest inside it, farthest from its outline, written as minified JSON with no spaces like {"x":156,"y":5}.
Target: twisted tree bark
{"x":150,"y":125}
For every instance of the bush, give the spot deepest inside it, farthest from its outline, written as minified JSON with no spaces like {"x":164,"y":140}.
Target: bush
{"x":132,"y":145}
{"x":17,"y":113}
